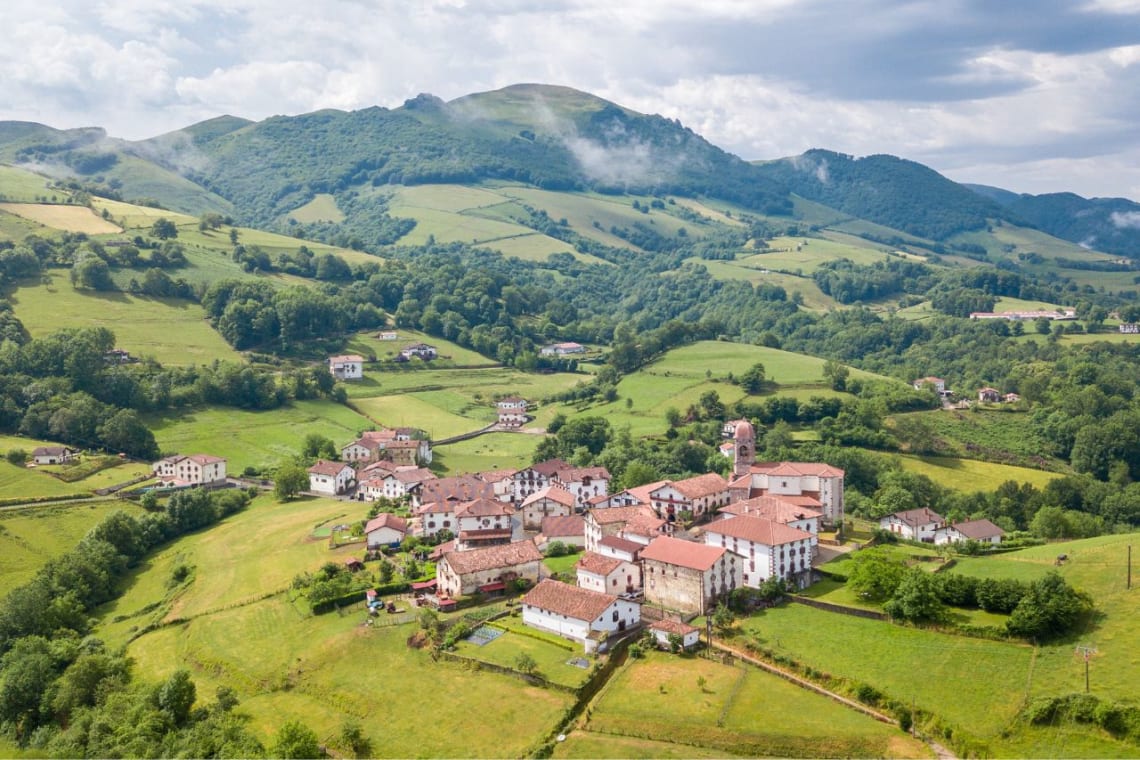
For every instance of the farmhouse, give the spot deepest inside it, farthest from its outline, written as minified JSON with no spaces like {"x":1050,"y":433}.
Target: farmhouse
{"x":500,"y":481}
{"x":982,"y":531}
{"x":550,"y":501}
{"x":989,"y":395}
{"x":781,"y":511}
{"x":482,"y":522}
{"x":767,"y":549}
{"x":388,"y":335}
{"x":403,"y":446}
{"x":937,"y":383}
{"x":393,"y":485}
{"x":620,"y":548}
{"x":512,"y":411}
{"x":568,"y":529}
{"x":434,"y":517}
{"x":662,"y":629}
{"x":347,"y":367}
{"x":613,"y":521}
{"x":1129,"y":328}
{"x":536,"y":477}
{"x":611,"y":575}
{"x":821,"y":484}
{"x":421,"y":351}
{"x":488,"y":569}
{"x":686,"y":576}
{"x":915,"y":524}
{"x":193,"y":470}
{"x":562,"y":349}
{"x":385,"y":531}
{"x":52,"y":455}
{"x":578,"y":614}
{"x":330,"y":478}
{"x":583,"y":482}
{"x":690,"y":498}
{"x":455,"y":489}
{"x":1056,"y":314}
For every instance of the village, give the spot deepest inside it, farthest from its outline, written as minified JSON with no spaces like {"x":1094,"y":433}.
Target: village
{"x":654,"y":556}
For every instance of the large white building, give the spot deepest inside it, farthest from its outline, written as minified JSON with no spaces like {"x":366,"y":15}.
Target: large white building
{"x":688,"y":577}
{"x":330,"y":478}
{"x":579,"y":614}
{"x":347,"y":367}
{"x":192,"y":470}
{"x":767,"y":549}
{"x":811,"y":484}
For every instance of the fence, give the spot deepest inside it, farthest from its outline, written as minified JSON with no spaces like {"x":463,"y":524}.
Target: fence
{"x":853,"y":611}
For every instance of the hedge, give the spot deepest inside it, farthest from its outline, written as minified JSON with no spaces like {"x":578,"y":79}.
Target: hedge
{"x":359,"y":596}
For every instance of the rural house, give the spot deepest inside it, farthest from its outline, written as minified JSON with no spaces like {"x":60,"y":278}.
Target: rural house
{"x":331,"y":478}
{"x":695,"y":497}
{"x":915,"y":524}
{"x":613,"y":520}
{"x":583,"y":483}
{"x":989,"y":395}
{"x":578,"y":614}
{"x":385,"y":531}
{"x":421,"y":351}
{"x":192,"y":470}
{"x":568,"y":529}
{"x":535,"y":478}
{"x":784,"y":512}
{"x":982,"y":531}
{"x":347,"y":367}
{"x":688,"y":577}
{"x":52,"y":455}
{"x":551,"y":501}
{"x":436,"y":516}
{"x":500,"y":481}
{"x":512,"y":411}
{"x":766,"y":548}
{"x":489,"y":569}
{"x":455,"y":489}
{"x":812,"y":484}
{"x":562,"y":349}
{"x":403,"y":446}
{"x":937,"y":383}
{"x":662,"y":629}
{"x":611,"y":575}
{"x":482,"y":522}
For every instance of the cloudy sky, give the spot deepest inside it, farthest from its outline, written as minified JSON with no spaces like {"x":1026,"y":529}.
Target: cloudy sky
{"x":1032,"y":95}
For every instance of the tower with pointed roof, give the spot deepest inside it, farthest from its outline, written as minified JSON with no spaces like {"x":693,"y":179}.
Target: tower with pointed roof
{"x":744,"y":452}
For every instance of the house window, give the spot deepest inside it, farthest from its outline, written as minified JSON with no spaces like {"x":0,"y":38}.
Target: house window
{"x":615,"y":615}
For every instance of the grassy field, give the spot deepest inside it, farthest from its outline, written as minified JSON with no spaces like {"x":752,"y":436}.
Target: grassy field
{"x":997,"y":436}
{"x":972,"y":474}
{"x":172,"y":331}
{"x":756,"y":272}
{"x":22,"y":186}
{"x":284,"y":664}
{"x":906,"y":663}
{"x":552,"y":658}
{"x":30,"y":537}
{"x":790,"y":254}
{"x":62,"y":217}
{"x":694,"y":701}
{"x":450,"y":354}
{"x":494,"y":451}
{"x":322,"y":208}
{"x":249,"y":438}
{"x":441,"y":413}
{"x":16,"y":480}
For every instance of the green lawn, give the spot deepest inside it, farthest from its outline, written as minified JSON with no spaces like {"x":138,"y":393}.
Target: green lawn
{"x":450,"y":354}
{"x":322,"y":208}
{"x":19,"y":481}
{"x":939,"y":672}
{"x":695,"y":701}
{"x":30,"y":537}
{"x":493,"y":451}
{"x":551,"y":657}
{"x":171,"y":330}
{"x":433,"y":411}
{"x":249,"y":438}
{"x":973,"y":474}
{"x":563,"y":564}
{"x":20,"y":185}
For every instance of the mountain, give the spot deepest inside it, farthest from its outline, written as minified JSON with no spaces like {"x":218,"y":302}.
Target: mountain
{"x":886,"y":190}
{"x":1111,"y":225}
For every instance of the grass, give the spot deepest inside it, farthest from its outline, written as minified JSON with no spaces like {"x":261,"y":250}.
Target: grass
{"x":285,"y":664}
{"x":172,"y":331}
{"x":258,"y":439}
{"x":430,"y":411}
{"x":939,"y":672}
{"x":30,"y":537}
{"x":695,"y":701}
{"x":322,"y":208}
{"x":972,"y":474}
{"x":20,"y":481}
{"x":62,"y":217}
{"x":587,"y":744}
{"x":802,"y":254}
{"x":1006,"y":437}
{"x":22,"y":186}
{"x":551,"y":658}
{"x":563,"y":564}
{"x":493,"y":451}
{"x":450,"y":354}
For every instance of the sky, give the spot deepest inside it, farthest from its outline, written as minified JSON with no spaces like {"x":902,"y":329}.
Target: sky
{"x":1034,"y":96}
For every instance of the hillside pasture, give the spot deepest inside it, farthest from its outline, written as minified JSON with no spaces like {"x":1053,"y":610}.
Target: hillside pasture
{"x":24,"y":186}
{"x":804,"y":254}
{"x":493,"y":451}
{"x":255,"y":438}
{"x":369,"y":345}
{"x":30,"y":537}
{"x":972,"y":474}
{"x":441,"y":413}
{"x":322,"y":208}
{"x":661,"y":699}
{"x":756,"y":273}
{"x":62,"y":217}
{"x":906,"y":663}
{"x":172,"y":331}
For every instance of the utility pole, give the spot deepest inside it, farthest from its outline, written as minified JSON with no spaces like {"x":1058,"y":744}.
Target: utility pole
{"x":1087,"y":652}
{"x":1130,"y":567}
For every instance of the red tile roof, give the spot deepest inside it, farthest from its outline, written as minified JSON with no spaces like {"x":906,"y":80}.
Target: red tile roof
{"x":346,"y":358}
{"x":772,"y":507}
{"x":797,"y":469}
{"x":550,"y":467}
{"x":621,"y":544}
{"x":978,"y":529}
{"x":673,"y":626}
{"x":493,"y":557}
{"x":675,"y":551}
{"x":643,"y":525}
{"x":327,"y":468}
{"x":612,"y":515}
{"x":917,"y":517}
{"x":482,"y":508}
{"x":571,"y":601}
{"x":758,"y":530}
{"x":701,"y":485}
{"x":494,"y":476}
{"x":456,"y":488}
{"x":598,"y":564}
{"x":387,"y":520}
{"x":563,"y":526}
{"x":554,"y":493}
{"x":641,"y":493}
{"x":418,"y":475}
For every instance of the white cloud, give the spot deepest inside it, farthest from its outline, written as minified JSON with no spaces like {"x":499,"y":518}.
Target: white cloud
{"x":1126,"y":219}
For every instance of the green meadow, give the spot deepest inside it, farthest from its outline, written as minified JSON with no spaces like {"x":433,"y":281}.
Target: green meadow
{"x":972,"y":474}
{"x":171,"y":330}
{"x":255,"y":438}
{"x":23,"y":186}
{"x":699,"y":702}
{"x":368,"y":345}
{"x":322,"y":208}
{"x":493,"y":451}
{"x":805,"y":254}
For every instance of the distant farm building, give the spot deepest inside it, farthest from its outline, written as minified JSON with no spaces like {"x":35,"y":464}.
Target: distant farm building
{"x":330,"y":478}
{"x":421,"y":351}
{"x":562,"y":349}
{"x":347,"y":367}
{"x":52,"y":455}
{"x":512,"y":411}
{"x":193,"y":470}
{"x":1056,"y":314}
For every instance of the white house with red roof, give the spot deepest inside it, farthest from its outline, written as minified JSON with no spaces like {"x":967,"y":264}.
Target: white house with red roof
{"x":512,"y":411}
{"x":780,"y":510}
{"x":52,"y":455}
{"x":812,"y":484}
{"x":583,"y":483}
{"x":331,"y":478}
{"x":599,"y":572}
{"x":579,"y":614}
{"x":190,"y":470}
{"x":347,"y":367}
{"x":766,"y":548}
{"x":686,"y":576}
{"x":662,"y":629}
{"x":982,"y":531}
{"x":552,"y":501}
{"x":562,"y":349}
{"x":385,"y":531}
{"x":482,"y":522}
{"x":615,"y":520}
{"x":916,"y":524}
{"x":698,"y":496}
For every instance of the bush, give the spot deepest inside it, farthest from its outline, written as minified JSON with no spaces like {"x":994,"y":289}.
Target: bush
{"x":557,"y":549}
{"x":17,"y":456}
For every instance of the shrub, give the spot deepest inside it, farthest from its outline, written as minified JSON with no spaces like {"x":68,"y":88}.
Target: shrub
{"x":17,"y":456}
